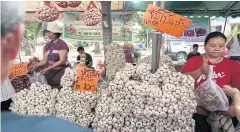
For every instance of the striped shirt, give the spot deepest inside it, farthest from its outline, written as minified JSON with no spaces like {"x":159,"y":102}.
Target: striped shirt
{"x":53,"y":49}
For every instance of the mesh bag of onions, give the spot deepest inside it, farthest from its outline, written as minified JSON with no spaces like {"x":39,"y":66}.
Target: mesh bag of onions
{"x":47,"y":13}
{"x":92,"y":17}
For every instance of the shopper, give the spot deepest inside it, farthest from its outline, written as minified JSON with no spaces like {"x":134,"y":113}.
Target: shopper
{"x":12,"y":29}
{"x":194,"y":52}
{"x":225,"y":71}
{"x":7,"y":91}
{"x":88,"y":57}
{"x":234,"y":48}
{"x":54,"y":57}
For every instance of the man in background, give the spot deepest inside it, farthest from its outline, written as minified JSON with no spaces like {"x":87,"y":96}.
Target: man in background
{"x":12,"y":30}
{"x":88,"y":57}
{"x":194,"y":52}
{"x":234,"y":48}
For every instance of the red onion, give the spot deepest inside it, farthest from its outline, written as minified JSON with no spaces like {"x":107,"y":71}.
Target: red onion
{"x":74,"y":4}
{"x":62,"y":4}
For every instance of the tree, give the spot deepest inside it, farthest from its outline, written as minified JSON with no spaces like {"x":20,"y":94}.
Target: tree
{"x":233,"y":32}
{"x":142,"y":34}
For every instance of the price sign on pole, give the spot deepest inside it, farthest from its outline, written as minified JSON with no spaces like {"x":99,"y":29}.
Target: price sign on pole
{"x":165,"y":21}
{"x":87,"y":80}
{"x":19,"y":70}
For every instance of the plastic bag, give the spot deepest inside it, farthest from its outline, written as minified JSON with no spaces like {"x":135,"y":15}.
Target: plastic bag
{"x":37,"y":77}
{"x":210,"y":96}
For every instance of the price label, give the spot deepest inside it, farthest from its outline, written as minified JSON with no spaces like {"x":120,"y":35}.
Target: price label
{"x":19,"y":70}
{"x":165,"y":21}
{"x":87,"y":80}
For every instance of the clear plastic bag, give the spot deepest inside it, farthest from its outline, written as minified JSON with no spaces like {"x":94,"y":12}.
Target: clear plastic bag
{"x":210,"y":96}
{"x":37,"y":77}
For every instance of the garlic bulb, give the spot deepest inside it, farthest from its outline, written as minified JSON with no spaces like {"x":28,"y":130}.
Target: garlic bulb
{"x":47,"y":13}
{"x":92,"y":17}
{"x":73,"y":105}
{"x":163,"y":101}
{"x":74,"y":4}
{"x":39,"y":100}
{"x":115,"y":59}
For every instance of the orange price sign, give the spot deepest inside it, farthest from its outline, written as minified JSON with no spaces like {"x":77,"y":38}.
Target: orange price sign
{"x":165,"y":21}
{"x":87,"y":80}
{"x":19,"y":70}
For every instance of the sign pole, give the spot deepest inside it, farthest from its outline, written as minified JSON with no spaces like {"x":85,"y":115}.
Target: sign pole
{"x":156,"y":48}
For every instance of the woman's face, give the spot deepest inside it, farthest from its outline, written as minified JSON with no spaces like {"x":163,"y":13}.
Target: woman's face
{"x":215,"y":47}
{"x":51,"y":36}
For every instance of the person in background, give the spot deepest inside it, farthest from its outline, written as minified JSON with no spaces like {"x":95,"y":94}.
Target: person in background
{"x":88,"y":57}
{"x":54,"y":56}
{"x":234,"y":48}
{"x":225,"y":72}
{"x":194,"y":52}
{"x":12,"y":30}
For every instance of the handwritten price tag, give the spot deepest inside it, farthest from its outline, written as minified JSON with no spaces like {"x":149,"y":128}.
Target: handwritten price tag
{"x":87,"y":80}
{"x":165,"y":21}
{"x":19,"y":70}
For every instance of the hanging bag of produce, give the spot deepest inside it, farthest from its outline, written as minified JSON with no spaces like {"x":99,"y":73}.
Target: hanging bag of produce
{"x":210,"y":96}
{"x":92,"y":16}
{"x":47,"y":12}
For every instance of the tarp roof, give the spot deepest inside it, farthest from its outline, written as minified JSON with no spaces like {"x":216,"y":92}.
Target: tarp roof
{"x":194,"y":8}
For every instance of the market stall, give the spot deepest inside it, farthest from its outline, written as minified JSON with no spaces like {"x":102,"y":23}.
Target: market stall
{"x":150,"y":96}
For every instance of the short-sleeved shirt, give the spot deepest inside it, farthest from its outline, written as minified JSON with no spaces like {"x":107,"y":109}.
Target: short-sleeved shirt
{"x":55,"y":48}
{"x":226,"y":72}
{"x":88,"y":58}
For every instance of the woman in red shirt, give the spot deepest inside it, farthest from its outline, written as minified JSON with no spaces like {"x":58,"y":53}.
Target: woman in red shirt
{"x":225,"y":71}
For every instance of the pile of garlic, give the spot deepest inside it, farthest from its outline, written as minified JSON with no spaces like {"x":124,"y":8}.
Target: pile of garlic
{"x":73,"y":105}
{"x":39,"y":100}
{"x":160,"y":102}
{"x":164,"y":59}
{"x":115,"y":59}
{"x":92,"y":17}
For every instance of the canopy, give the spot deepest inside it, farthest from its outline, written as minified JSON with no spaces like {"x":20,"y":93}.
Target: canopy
{"x":192,"y":8}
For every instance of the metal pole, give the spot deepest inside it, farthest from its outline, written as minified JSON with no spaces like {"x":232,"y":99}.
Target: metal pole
{"x":156,"y":43}
{"x":225,"y":25}
{"x":156,"y":48}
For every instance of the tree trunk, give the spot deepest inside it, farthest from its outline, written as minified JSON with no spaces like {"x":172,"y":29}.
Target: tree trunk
{"x":107,"y":31}
{"x":97,"y":49}
{"x":26,"y":45}
{"x":106,"y":16}
{"x":38,"y":29}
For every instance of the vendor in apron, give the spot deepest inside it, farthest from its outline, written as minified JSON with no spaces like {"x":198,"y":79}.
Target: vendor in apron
{"x":54,"y":56}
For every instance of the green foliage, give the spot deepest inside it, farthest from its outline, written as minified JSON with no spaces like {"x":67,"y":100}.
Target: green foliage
{"x":233,"y":32}
{"x":31,"y":29}
{"x":142,"y":34}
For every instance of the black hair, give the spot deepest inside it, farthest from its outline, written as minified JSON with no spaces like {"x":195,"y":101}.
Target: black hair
{"x":58,"y":35}
{"x":195,"y":45}
{"x":214,"y":35}
{"x":80,"y":48}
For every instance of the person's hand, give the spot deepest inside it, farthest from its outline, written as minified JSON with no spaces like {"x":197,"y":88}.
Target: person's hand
{"x":205,"y":67}
{"x":32,"y":68}
{"x":44,"y":71}
{"x":229,"y":90}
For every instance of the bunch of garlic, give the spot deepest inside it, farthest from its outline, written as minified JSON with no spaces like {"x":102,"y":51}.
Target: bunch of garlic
{"x":163,"y":101}
{"x":39,"y":100}
{"x":164,"y":59}
{"x":115,"y":59}
{"x":73,"y":105}
{"x":92,"y":17}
